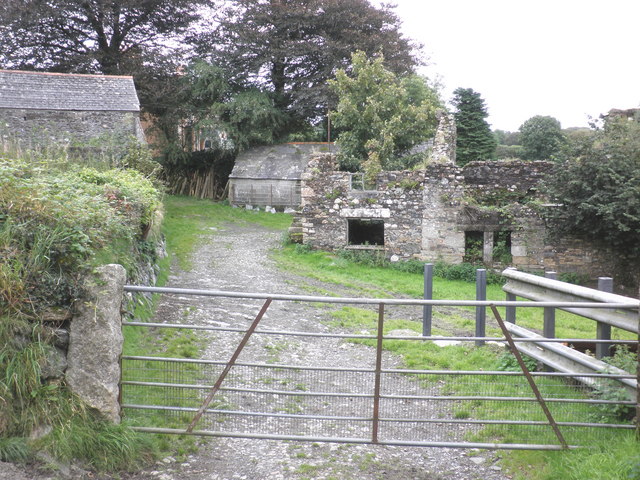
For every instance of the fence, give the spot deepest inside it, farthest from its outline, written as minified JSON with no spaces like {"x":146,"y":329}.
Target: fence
{"x":310,"y":398}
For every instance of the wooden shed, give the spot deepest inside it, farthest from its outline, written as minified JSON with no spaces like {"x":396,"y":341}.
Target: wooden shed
{"x":271,"y":175}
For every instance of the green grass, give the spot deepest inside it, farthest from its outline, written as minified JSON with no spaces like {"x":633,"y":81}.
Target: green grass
{"x":385,"y":282}
{"x":189,"y":221}
{"x":612,"y":456}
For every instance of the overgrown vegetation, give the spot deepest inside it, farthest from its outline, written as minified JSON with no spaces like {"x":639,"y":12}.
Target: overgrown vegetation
{"x":381,"y":116}
{"x":597,"y":192}
{"x":613,"y":455}
{"x":58,"y":221}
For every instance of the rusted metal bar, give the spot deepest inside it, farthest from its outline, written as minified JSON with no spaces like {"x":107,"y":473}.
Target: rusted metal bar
{"x":378,"y":376}
{"x":527,"y":374}
{"x":230,"y":364}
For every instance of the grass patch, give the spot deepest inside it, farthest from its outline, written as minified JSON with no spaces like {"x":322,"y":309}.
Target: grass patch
{"x":380,"y":281}
{"x":102,"y":446}
{"x":611,"y":457}
{"x":189,"y":221}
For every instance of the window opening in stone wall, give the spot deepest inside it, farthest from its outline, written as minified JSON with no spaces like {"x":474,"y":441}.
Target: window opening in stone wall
{"x":360,"y":182}
{"x":365,"y":231}
{"x":501,"y":252}
{"x":473,"y":245}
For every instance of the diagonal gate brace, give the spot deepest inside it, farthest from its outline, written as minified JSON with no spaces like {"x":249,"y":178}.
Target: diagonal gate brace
{"x":230,"y":364}
{"x":527,"y":374}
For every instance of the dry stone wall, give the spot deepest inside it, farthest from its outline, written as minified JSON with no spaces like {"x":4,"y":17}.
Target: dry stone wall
{"x":44,"y":127}
{"x":427,"y":214}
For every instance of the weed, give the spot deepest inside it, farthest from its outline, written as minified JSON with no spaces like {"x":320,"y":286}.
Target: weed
{"x":508,"y":363}
{"x":14,"y":449}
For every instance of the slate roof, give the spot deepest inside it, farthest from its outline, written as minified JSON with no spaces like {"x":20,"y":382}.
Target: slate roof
{"x":277,"y":162}
{"x":61,"y":91}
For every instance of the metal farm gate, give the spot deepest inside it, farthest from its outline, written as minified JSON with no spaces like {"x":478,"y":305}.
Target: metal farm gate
{"x":294,"y":388}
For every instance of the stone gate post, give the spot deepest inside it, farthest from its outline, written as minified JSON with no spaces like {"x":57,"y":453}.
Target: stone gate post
{"x":95,"y":342}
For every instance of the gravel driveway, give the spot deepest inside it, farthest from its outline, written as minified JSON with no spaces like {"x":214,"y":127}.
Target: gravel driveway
{"x":237,"y":259}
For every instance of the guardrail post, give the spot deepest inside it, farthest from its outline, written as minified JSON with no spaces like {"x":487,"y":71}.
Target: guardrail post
{"x":427,"y":310}
{"x":603,"y":331}
{"x":510,"y":310}
{"x":481,"y":312}
{"x":549,"y":326}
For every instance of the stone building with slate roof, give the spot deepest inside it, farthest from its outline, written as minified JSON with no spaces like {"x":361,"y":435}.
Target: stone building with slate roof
{"x":271,"y":175}
{"x":69,"y":109}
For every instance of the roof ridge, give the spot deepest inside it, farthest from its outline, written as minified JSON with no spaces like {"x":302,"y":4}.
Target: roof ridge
{"x":33,"y":72}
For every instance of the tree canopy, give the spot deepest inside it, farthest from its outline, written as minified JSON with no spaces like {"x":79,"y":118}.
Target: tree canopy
{"x":541,"y":138}
{"x":597,"y":189}
{"x":475,"y":140}
{"x":112,"y":37}
{"x":100,"y":36}
{"x":380,"y":116}
{"x":292,"y":47}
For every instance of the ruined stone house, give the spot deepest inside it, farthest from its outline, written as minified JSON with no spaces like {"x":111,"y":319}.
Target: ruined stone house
{"x":38,"y":108}
{"x":486,"y":211}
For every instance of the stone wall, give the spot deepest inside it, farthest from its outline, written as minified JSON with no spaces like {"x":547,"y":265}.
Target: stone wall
{"x":427,"y":214}
{"x":329,"y":204}
{"x":43,"y":127}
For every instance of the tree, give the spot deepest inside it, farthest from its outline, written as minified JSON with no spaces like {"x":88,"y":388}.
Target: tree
{"x":597,"y":190}
{"x":541,"y":138}
{"x":292,"y":47}
{"x":475,"y":140}
{"x":231,"y":116}
{"x":113,"y":37}
{"x":380,"y":115}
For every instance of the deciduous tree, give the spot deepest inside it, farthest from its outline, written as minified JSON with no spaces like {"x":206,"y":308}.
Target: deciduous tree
{"x":380,"y":115}
{"x":597,"y":190}
{"x":475,"y":140}
{"x":541,"y":138}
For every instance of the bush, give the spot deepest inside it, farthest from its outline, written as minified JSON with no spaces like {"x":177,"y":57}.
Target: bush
{"x":53,"y":223}
{"x":465,"y":272}
{"x":612,"y":390}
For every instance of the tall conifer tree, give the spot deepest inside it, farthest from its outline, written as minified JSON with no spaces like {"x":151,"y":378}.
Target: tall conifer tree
{"x":475,"y":140}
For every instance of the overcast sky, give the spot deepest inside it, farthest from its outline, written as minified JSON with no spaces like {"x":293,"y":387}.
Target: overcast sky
{"x":569,"y":59}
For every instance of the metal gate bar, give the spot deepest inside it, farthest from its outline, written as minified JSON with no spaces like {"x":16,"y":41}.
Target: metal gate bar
{"x":230,"y":364}
{"x":374,"y":400}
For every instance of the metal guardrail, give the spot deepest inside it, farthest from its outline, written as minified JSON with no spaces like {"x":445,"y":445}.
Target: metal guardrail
{"x":544,"y":290}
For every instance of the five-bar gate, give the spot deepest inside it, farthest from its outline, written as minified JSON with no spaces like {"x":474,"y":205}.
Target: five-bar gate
{"x":262,"y":380}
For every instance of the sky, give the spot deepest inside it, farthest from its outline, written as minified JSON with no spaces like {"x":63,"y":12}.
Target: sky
{"x":569,"y":59}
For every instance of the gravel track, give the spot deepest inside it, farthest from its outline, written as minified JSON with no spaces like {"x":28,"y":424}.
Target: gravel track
{"x":237,"y":259}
